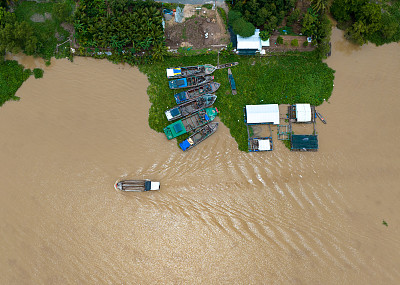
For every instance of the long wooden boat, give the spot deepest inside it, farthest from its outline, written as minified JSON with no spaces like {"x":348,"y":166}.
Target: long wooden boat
{"x":191,"y":122}
{"x":190,"y":107}
{"x":199,"y":136}
{"x":137,"y":185}
{"x":192,"y":81}
{"x":205,"y":69}
{"x":320,"y":117}
{"x":232,"y":82}
{"x":193,"y":93}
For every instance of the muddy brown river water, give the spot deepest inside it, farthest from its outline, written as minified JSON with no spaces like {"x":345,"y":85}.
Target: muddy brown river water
{"x":222,"y":216}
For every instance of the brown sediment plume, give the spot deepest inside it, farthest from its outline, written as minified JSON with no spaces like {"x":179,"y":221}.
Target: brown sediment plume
{"x":221,"y":216}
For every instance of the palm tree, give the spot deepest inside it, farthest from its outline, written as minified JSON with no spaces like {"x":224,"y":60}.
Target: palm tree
{"x":320,"y":5}
{"x":159,"y":51}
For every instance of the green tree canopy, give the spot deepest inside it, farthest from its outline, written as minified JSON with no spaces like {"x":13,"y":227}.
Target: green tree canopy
{"x":243,"y":28}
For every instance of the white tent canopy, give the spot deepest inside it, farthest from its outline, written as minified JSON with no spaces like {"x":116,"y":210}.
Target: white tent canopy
{"x":264,"y":144}
{"x":259,"y":114}
{"x":303,"y":113}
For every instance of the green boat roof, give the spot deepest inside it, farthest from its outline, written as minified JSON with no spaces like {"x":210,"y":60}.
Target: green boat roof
{"x":211,"y":112}
{"x":175,"y":129}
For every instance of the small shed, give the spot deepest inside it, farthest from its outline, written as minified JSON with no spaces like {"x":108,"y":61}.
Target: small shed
{"x":304,"y":142}
{"x":260,"y":144}
{"x":303,"y":113}
{"x":262,"y":114}
{"x":251,"y":45}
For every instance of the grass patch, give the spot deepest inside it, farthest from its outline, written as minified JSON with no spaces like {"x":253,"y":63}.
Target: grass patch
{"x":184,"y":33}
{"x":222,"y":13}
{"x":189,"y":51}
{"x":12,"y":75}
{"x":45,"y":31}
{"x":207,"y":6}
{"x":292,"y":78}
{"x":287,"y":144}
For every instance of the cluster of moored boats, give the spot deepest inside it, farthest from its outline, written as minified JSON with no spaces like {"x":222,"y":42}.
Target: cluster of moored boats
{"x":194,"y":106}
{"x":194,"y":109}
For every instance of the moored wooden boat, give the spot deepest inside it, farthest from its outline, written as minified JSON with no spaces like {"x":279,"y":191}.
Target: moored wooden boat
{"x":190,"y":107}
{"x":320,"y":117}
{"x":192,"y":81}
{"x":193,"y":93}
{"x":205,"y":69}
{"x":190,"y":123}
{"x":225,"y":65}
{"x":200,"y":135}
{"x":232,"y":82}
{"x":179,"y":72}
{"x":137,"y":185}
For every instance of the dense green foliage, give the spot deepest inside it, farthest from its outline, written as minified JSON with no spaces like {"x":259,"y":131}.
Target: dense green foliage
{"x":362,"y":20}
{"x":130,"y":27}
{"x":263,"y":14}
{"x":38,"y":73}
{"x":239,"y":25}
{"x":12,"y":75}
{"x":222,"y":13}
{"x":207,"y":6}
{"x":297,"y":78}
{"x":19,"y":33}
{"x":319,"y":27}
{"x":264,"y":35}
{"x":15,"y":36}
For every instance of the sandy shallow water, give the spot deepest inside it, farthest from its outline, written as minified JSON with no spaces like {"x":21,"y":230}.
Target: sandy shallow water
{"x":222,"y":216}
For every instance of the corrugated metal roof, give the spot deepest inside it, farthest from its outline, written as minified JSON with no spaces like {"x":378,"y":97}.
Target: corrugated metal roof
{"x":259,"y":114}
{"x":304,"y":142}
{"x":253,"y":42}
{"x":303,"y":112}
{"x":264,"y":144}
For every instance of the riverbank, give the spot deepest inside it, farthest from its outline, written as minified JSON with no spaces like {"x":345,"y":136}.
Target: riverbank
{"x":277,"y":79}
{"x":12,"y":75}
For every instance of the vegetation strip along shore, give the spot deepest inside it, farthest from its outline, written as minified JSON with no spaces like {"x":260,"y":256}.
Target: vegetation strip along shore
{"x":297,"y":78}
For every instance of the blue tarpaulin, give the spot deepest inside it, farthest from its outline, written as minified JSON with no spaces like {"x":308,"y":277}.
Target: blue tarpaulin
{"x":175,"y":112}
{"x":180,"y":82}
{"x":184,"y":145}
{"x":178,"y":128}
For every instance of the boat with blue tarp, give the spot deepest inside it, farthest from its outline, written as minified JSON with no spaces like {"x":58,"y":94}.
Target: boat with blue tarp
{"x":190,"y":107}
{"x":205,"y":69}
{"x":200,"y":135}
{"x":190,"y":123}
{"x":232,"y":82}
{"x":193,"y":93}
{"x":192,"y":81}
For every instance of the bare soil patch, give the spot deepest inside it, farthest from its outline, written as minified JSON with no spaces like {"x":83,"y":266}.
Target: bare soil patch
{"x":286,"y":46}
{"x":202,"y":28}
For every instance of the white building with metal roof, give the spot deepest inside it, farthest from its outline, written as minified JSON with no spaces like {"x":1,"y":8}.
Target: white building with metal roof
{"x":251,"y":43}
{"x":262,"y":114}
{"x":303,"y":113}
